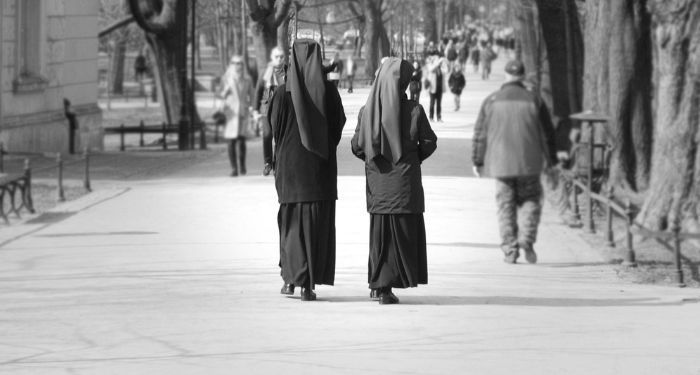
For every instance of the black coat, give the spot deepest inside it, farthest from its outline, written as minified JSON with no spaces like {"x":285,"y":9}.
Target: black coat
{"x":398,"y":188}
{"x":301,"y":175}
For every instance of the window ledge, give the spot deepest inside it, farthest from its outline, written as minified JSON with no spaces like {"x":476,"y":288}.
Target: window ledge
{"x":27,"y":84}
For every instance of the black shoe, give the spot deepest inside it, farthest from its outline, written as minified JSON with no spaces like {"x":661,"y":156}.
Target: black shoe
{"x":374,"y":294}
{"x":267,"y":169}
{"x":234,"y":173}
{"x":386,"y":297}
{"x":243,"y":171}
{"x":307,"y":294}
{"x":287,"y":289}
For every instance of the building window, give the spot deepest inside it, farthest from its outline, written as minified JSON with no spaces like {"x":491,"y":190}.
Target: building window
{"x":29,"y":46}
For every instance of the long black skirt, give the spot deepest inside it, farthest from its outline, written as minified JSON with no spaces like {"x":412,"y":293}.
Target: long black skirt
{"x":397,"y":251}
{"x":307,"y":243}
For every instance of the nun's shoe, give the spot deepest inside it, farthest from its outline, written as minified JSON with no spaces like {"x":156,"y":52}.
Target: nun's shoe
{"x":307,"y":294}
{"x":374,"y":294}
{"x":234,"y":173}
{"x":287,"y":289}
{"x":267,"y":169}
{"x":386,"y":297}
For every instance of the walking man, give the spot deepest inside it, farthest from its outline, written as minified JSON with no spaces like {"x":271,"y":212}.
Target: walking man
{"x":513,"y":142}
{"x":265,"y":88}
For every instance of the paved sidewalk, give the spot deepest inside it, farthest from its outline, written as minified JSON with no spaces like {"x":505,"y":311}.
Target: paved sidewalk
{"x":176,"y":273}
{"x":180,"y":277}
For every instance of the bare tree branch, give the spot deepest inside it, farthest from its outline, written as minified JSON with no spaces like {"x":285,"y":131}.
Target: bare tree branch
{"x":143,"y":13}
{"x":116,"y":26}
{"x":330,"y":23}
{"x":282,"y":12}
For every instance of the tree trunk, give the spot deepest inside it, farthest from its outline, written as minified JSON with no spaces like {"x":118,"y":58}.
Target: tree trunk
{"x":376,"y":39}
{"x":532,"y":50}
{"x":118,"y":62}
{"x":283,"y":35}
{"x":265,"y":19}
{"x":564,"y":45}
{"x":165,"y":24}
{"x":618,"y":83}
{"x":429,"y":21}
{"x":440,"y":18}
{"x":675,"y":173}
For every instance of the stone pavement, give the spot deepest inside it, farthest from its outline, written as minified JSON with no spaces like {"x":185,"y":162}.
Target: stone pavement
{"x":178,"y":275}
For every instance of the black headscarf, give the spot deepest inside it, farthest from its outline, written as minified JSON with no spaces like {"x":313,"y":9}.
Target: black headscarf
{"x":380,"y":132}
{"x":306,"y":84}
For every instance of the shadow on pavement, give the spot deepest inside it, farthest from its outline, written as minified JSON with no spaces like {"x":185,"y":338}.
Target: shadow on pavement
{"x":87,"y":234}
{"x":467,"y":244}
{"x":514,"y":301}
{"x":536,"y":301}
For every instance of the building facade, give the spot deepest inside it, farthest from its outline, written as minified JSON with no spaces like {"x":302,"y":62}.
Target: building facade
{"x":48,"y":56}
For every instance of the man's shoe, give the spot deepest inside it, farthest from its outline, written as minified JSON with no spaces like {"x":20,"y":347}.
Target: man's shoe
{"x":234,"y":173}
{"x":243,"y":170}
{"x":267,"y":169}
{"x":386,"y":297}
{"x":287,"y":289}
{"x":374,"y":294}
{"x":530,"y":254}
{"x":307,"y":294}
{"x":511,"y":257}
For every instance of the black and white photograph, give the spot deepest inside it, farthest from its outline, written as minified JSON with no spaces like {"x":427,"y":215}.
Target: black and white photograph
{"x":350,"y":187}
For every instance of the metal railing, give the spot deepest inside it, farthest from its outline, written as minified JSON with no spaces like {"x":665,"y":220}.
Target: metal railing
{"x":163,"y":129}
{"x":611,"y":206}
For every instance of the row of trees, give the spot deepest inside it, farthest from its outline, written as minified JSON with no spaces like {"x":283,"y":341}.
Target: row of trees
{"x":269,"y":21}
{"x":637,"y":61}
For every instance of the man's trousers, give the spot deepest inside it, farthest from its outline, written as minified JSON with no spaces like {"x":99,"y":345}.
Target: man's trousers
{"x":519,"y":201}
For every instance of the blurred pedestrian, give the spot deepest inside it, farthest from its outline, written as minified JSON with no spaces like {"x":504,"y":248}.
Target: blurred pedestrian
{"x":350,"y":69}
{"x":436,"y":86}
{"x":456,"y":83}
{"x":335,"y":70}
{"x":237,"y":95}
{"x":487,"y":56}
{"x":268,"y":82}
{"x":514,"y":142}
{"x":307,"y":119}
{"x":393,"y":136}
{"x":415,"y":86}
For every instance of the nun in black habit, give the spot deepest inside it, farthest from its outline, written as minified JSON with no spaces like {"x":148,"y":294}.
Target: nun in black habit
{"x":307,"y":120}
{"x":393,"y":136}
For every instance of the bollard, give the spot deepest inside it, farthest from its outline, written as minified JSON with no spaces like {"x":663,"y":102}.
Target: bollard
{"x":2,"y":158}
{"x":630,"y":257}
{"x":165,"y":143}
{"x":577,"y":210}
{"x":142,"y":126}
{"x":28,"y":188}
{"x":675,"y":228}
{"x":202,"y":136}
{"x":610,"y":241}
{"x":86,"y":178}
{"x":121,"y":137}
{"x":590,"y":227}
{"x":216,"y":132}
{"x":59,"y":165}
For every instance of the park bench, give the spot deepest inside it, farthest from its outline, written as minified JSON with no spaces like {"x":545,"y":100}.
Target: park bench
{"x":10,"y":185}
